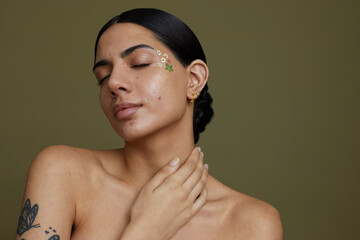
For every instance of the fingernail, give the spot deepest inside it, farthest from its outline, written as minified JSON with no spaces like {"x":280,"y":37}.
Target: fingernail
{"x":202,"y":154}
{"x":174,"y":162}
{"x":206,"y":166}
{"x":199,"y":149}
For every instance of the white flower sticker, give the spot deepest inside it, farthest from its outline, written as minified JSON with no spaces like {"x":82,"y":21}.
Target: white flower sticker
{"x":163,"y":61}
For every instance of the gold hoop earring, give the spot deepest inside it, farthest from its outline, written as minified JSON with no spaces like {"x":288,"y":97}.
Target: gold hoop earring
{"x":194,"y":97}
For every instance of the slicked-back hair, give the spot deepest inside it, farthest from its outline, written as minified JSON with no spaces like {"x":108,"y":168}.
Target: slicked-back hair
{"x":182,"y":42}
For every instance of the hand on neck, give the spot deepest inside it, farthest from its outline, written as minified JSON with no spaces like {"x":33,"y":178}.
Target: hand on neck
{"x":143,"y":158}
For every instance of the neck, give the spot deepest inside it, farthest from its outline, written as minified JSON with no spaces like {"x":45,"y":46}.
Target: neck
{"x":144,"y":157}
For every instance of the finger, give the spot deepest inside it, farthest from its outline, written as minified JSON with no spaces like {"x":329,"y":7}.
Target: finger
{"x":164,"y":172}
{"x":188,"y":167}
{"x":195,"y":177}
{"x":201,"y":200}
{"x":200,"y":185}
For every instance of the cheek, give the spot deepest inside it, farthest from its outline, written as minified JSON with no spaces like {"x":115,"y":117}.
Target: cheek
{"x":164,"y":91}
{"x":105,"y":101}
{"x":167,"y":95}
{"x":156,"y":89}
{"x":158,"y":94}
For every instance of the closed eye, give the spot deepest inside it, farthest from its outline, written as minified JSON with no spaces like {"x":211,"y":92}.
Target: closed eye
{"x":140,"y":65}
{"x":134,"y":66}
{"x":103,"y":79}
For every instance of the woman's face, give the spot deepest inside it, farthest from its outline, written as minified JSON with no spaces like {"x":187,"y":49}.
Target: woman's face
{"x":142,"y":85}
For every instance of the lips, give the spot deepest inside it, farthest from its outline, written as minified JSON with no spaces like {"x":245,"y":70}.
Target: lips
{"x":125,"y":110}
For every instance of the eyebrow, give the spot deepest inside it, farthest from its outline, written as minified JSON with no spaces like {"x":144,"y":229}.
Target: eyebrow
{"x":123,"y":54}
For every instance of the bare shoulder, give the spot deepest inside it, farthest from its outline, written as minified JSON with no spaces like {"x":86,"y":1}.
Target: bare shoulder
{"x":242,"y":216}
{"x":69,"y":160}
{"x":55,"y":180}
{"x":58,"y":167}
{"x":255,"y":219}
{"x":61,"y":154}
{"x":68,"y":165}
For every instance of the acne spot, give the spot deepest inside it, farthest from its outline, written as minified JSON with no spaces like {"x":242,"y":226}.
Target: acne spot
{"x":158,"y":97}
{"x":132,"y":124}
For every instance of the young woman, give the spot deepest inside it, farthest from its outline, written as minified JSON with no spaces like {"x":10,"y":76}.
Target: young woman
{"x":153,"y":77}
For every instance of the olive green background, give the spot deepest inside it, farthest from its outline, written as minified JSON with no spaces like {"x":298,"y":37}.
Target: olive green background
{"x":285,"y":78}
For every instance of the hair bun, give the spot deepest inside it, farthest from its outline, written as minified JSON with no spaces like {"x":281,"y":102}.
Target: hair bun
{"x":203,"y":112}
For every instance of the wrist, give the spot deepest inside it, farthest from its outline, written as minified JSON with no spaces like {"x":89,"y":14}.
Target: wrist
{"x":136,"y":232}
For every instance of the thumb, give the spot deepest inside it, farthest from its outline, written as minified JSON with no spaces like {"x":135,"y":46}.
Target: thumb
{"x":164,"y":172}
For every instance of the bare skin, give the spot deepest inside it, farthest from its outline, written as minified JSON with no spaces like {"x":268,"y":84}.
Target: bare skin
{"x":132,"y":193}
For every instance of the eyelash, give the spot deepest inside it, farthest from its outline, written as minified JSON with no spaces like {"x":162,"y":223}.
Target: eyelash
{"x":135,"y":66}
{"x":101,"y":81}
{"x":140,"y":65}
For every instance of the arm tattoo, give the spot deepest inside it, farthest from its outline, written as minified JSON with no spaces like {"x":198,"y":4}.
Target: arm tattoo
{"x":53,"y":237}
{"x":27,"y":217}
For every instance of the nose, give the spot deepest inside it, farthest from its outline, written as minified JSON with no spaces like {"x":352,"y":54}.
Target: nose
{"x":119,"y":82}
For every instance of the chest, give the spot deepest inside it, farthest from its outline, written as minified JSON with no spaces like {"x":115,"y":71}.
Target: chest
{"x":102,"y":212}
{"x":105,"y":215}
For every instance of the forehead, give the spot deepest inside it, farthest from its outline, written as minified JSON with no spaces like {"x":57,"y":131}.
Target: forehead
{"x":121,"y":36}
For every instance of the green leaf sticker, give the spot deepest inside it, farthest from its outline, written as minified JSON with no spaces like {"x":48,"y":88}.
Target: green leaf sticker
{"x":169,"y":68}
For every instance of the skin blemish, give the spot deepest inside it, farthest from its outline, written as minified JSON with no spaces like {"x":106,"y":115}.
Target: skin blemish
{"x":158,"y":97}
{"x":132,"y":124}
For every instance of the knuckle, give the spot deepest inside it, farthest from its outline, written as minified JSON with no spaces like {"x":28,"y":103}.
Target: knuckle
{"x":205,"y":194}
{"x":198,"y":174}
{"x":203,"y":197}
{"x":203,"y":181}
{"x":172,"y":182}
{"x":166,"y":170}
{"x":201,"y":160}
{"x":188,"y":169}
{"x":147,"y":187}
{"x":188,"y":213}
{"x":183,"y":194}
{"x":199,"y":171}
{"x":204,"y":175}
{"x":192,"y":165}
{"x":161,"y":173}
{"x":200,"y":164}
{"x":176,"y":182}
{"x":195,"y":157}
{"x":203,"y":201}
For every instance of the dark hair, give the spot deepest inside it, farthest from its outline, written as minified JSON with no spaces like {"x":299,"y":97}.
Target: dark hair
{"x":183,"y":43}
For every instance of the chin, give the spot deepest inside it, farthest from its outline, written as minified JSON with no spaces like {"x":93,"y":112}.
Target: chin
{"x":128,"y":134}
{"x":132,"y":130}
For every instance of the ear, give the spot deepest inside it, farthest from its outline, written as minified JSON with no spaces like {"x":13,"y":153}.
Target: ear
{"x":198,"y":75}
